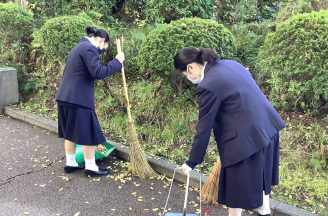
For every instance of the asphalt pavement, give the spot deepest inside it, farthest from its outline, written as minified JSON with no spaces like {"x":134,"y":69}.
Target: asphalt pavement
{"x":32,"y":181}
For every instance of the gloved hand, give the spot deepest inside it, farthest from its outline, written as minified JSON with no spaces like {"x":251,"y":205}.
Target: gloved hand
{"x":120,"y":56}
{"x":185,"y":169}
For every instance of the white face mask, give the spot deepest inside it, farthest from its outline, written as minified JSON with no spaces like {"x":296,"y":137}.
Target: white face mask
{"x":198,"y":80}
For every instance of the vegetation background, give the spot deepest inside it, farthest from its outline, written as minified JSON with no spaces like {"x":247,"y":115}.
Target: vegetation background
{"x":283,"y":43}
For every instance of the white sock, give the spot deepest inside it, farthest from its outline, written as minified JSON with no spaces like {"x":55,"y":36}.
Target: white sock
{"x":265,"y":208}
{"x":70,"y":160}
{"x":235,"y":211}
{"x":90,"y":164}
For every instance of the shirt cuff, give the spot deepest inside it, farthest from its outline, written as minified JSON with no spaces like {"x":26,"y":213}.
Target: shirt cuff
{"x":191,"y":164}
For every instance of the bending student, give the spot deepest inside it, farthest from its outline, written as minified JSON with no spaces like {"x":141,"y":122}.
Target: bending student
{"x":245,"y":125}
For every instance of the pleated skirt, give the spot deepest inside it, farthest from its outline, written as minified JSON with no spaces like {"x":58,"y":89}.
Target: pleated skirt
{"x":242,"y":184}
{"x":79,"y":124}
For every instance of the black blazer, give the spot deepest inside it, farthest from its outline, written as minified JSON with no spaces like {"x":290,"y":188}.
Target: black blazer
{"x":232,"y":104}
{"x":82,"y":68}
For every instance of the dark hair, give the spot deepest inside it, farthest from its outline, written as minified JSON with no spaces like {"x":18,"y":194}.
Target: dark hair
{"x":189,"y":55}
{"x":92,"y":32}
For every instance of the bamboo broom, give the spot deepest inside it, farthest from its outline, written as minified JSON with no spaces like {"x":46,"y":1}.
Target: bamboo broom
{"x":211,"y":186}
{"x":139,"y":164}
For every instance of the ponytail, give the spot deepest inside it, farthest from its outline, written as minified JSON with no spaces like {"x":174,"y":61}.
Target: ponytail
{"x":208,"y":55}
{"x":92,"y":32}
{"x":189,"y":55}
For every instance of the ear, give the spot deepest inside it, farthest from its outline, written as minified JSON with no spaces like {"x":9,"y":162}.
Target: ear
{"x":189,"y":68}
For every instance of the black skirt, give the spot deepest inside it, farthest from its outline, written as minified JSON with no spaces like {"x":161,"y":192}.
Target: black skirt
{"x":242,"y":184}
{"x":79,"y":124}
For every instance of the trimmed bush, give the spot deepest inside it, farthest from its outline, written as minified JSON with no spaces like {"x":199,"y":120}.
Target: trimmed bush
{"x":294,"y":58}
{"x":59,"y":35}
{"x":16,"y":26}
{"x":166,"y":11}
{"x":160,"y":46}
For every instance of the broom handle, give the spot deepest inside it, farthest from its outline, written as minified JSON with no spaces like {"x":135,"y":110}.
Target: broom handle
{"x":186,"y":196}
{"x":119,"y":49}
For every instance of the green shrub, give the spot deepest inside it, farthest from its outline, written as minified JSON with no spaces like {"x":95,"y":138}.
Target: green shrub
{"x":293,"y":7}
{"x":250,"y":37}
{"x":246,"y":11}
{"x":160,"y":46}
{"x":165,"y":11}
{"x":58,"y":35}
{"x":136,"y":8}
{"x":56,"y":8}
{"x":294,"y":58}
{"x":134,"y":37}
{"x":16,"y":26}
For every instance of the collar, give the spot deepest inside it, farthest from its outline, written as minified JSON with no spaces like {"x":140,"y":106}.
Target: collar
{"x":209,"y":66}
{"x":85,"y":39}
{"x":88,"y":40}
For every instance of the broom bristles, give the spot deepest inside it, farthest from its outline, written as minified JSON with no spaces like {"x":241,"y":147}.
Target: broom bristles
{"x":211,"y":186}
{"x":139,"y":164}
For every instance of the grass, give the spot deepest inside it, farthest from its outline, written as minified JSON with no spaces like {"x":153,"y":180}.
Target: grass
{"x":304,"y":163}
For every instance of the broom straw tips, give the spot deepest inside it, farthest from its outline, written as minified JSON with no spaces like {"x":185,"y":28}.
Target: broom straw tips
{"x":211,"y":186}
{"x":139,"y":164}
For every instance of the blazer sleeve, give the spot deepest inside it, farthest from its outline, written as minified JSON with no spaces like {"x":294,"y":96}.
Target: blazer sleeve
{"x":96,"y":69}
{"x":209,"y":105}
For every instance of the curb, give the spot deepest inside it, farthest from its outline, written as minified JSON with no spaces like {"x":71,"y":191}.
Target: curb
{"x":163,"y":167}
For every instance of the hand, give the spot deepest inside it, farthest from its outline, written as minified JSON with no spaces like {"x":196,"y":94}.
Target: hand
{"x":185,"y":169}
{"x":120,"y":56}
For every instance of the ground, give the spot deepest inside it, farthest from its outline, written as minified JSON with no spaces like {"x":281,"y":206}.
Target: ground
{"x":32,"y":181}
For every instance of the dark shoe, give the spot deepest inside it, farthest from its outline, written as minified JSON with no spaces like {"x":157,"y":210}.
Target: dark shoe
{"x":264,"y":215}
{"x":71,"y":169}
{"x":101,"y":172}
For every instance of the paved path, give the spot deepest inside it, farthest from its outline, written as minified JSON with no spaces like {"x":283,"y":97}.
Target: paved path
{"x":32,"y":181}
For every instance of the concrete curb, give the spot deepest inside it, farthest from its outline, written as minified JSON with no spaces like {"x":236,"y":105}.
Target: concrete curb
{"x":163,"y":167}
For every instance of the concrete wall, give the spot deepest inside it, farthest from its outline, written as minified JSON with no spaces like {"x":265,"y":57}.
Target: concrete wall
{"x":8,"y":87}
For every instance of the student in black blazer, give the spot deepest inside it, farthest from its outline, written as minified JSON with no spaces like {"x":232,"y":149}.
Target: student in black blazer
{"x":245,"y":124}
{"x":77,"y":120}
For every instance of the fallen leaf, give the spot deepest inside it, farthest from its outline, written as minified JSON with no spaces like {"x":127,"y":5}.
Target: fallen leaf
{"x":64,"y":178}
